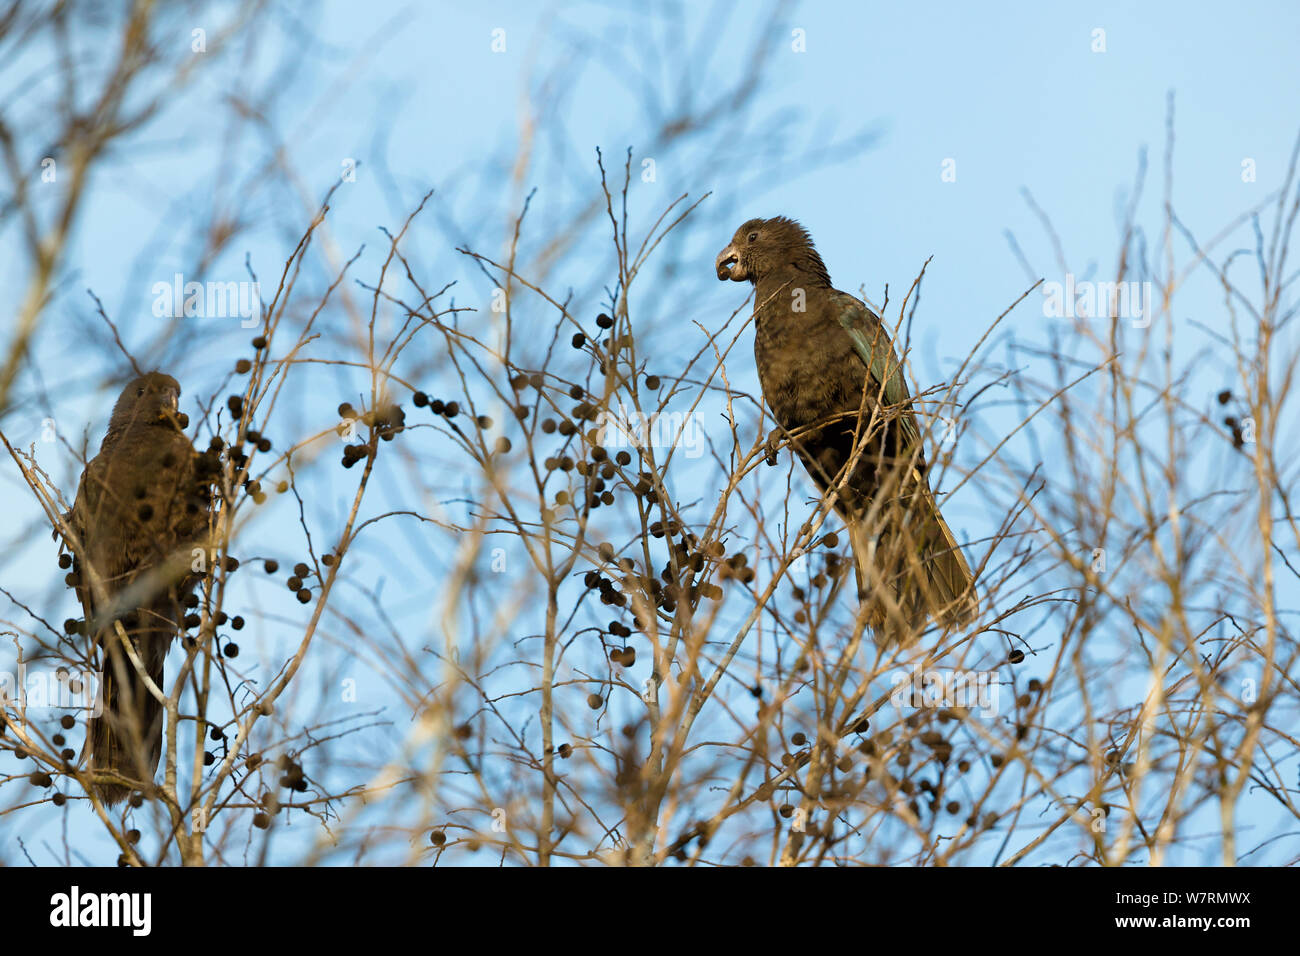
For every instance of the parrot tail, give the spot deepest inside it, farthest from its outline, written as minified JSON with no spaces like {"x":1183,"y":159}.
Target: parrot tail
{"x":912,"y":571}
{"x":126,"y":738}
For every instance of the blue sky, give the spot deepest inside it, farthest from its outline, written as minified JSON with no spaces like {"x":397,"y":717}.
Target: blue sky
{"x":1017,"y":99}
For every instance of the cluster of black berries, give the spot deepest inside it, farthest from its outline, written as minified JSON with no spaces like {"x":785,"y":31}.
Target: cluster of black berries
{"x":295,"y":582}
{"x":644,"y":488}
{"x":254,"y":489}
{"x":598,"y":471}
{"x":209,"y":463}
{"x":1238,"y":436}
{"x":269,"y":800}
{"x":218,"y":735}
{"x":602,"y":321}
{"x":611,"y":594}
{"x":1027,"y":700}
{"x":736,"y":566}
{"x":609,"y":591}
{"x":692,"y":561}
{"x":626,"y":656}
{"x":925,"y":793}
{"x":660,"y":528}
{"x":354,"y":453}
{"x":66,"y":753}
{"x":663,"y":595}
{"x":1232,"y":422}
{"x":388,"y":421}
{"x":40,"y":778}
{"x":258,"y":440}
{"x":292,"y":777}
{"x":437,"y":405}
{"x":584,"y":411}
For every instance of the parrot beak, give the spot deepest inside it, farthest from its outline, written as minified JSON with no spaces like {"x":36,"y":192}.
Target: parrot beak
{"x":171,"y":404}
{"x":728,"y":265}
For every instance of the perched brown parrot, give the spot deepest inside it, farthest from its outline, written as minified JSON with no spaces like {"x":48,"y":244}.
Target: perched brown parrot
{"x":140,"y":510}
{"x":829,"y":372}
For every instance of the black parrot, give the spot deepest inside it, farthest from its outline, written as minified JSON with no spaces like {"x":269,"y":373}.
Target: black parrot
{"x":829,"y":372}
{"x":141,"y":508}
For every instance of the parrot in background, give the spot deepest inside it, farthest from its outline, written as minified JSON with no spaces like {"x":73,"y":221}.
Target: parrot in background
{"x":829,"y":371}
{"x":140,"y":509}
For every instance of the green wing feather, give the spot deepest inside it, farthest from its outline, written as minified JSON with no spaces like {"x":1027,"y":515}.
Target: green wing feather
{"x":872,"y":344}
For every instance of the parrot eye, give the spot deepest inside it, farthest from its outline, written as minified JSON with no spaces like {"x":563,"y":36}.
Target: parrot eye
{"x":139,"y":392}
{"x":753,"y":236}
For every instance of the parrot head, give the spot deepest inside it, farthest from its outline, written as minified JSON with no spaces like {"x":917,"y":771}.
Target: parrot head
{"x":147,"y":400}
{"x":761,"y":246}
